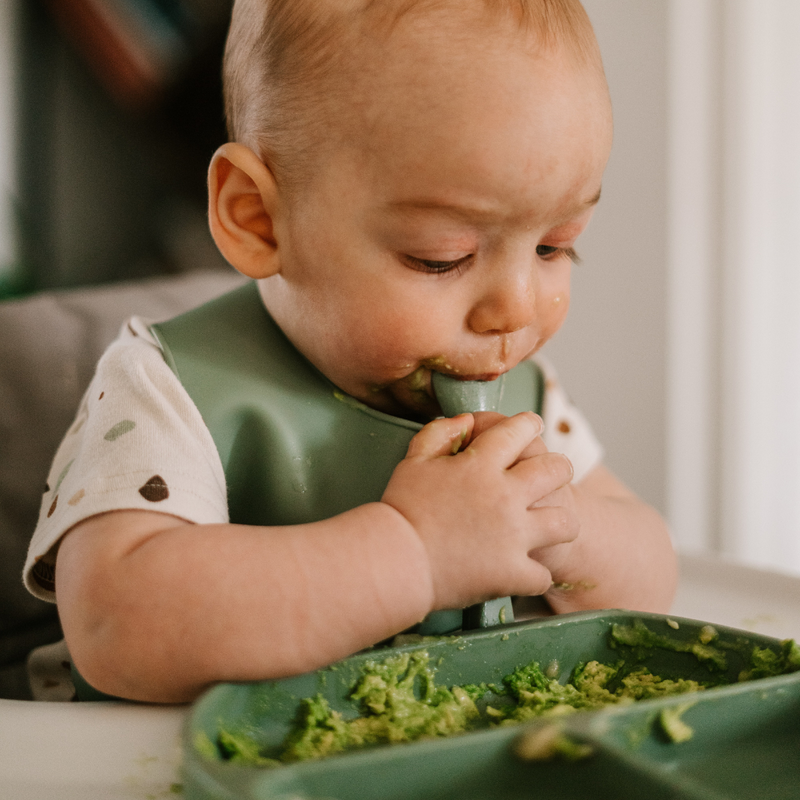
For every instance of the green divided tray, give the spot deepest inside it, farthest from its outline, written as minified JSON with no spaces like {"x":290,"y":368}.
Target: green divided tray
{"x":745,"y":739}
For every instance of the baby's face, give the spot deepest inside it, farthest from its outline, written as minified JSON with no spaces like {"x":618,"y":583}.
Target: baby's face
{"x":437,"y":237}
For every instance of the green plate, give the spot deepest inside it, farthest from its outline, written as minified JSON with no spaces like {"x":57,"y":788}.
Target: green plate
{"x":745,"y":739}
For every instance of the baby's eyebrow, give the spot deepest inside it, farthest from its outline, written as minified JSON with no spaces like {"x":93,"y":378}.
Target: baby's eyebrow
{"x":474,"y":212}
{"x":465,"y":211}
{"x":594,"y":201}
{"x":579,"y":208}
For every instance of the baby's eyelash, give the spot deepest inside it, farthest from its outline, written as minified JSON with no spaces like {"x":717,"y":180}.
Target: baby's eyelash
{"x":549,"y":253}
{"x":438,"y":267}
{"x":432,"y":267}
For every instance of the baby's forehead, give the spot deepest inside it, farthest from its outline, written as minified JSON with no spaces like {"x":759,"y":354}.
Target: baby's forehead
{"x":297,"y":70}
{"x":416,"y":47}
{"x":553,"y":23}
{"x":412,"y":36}
{"x":437,"y":52}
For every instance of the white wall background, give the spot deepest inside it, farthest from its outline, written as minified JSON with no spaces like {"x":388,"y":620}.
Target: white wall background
{"x":683,"y":345}
{"x":735,"y":277}
{"x":611,"y":352}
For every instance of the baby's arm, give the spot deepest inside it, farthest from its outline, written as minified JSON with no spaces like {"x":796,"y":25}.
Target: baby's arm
{"x":157,"y":609}
{"x":622,"y":558}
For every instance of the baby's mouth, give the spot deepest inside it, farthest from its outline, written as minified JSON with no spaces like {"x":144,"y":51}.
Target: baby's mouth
{"x":440,"y":365}
{"x":413,"y":394}
{"x":420,"y":385}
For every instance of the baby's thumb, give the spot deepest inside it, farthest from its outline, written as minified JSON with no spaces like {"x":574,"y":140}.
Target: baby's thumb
{"x":442,"y":437}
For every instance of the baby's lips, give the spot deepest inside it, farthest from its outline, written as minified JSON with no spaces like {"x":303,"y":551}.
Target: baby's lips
{"x":485,"y":377}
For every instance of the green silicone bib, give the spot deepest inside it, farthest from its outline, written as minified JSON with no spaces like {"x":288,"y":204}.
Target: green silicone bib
{"x":293,"y":447}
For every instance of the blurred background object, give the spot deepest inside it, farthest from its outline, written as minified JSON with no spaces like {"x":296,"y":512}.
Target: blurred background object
{"x":9,"y":264}
{"x":111,"y":111}
{"x":139,"y":49}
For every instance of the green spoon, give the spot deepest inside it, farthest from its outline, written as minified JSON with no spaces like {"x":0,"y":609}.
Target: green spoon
{"x":458,"y":397}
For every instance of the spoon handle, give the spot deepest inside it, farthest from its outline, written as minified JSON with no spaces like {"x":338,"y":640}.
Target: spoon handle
{"x":458,"y":397}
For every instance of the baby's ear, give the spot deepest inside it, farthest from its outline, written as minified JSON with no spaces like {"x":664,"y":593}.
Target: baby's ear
{"x":242,"y":199}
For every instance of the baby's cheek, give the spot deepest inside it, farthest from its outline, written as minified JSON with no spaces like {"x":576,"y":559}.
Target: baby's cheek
{"x":410,"y":335}
{"x":553,"y":312}
{"x":386,"y":343}
{"x":560,"y":305}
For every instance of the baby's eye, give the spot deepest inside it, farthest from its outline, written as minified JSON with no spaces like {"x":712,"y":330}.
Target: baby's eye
{"x":437,"y":267}
{"x":549,"y":253}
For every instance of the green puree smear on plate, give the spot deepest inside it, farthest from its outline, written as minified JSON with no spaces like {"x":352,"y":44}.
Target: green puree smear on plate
{"x":400,"y":701}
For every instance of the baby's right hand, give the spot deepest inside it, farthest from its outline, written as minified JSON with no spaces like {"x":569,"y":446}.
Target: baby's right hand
{"x":473,"y":510}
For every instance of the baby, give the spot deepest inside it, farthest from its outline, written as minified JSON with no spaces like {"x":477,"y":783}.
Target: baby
{"x":265,"y":485}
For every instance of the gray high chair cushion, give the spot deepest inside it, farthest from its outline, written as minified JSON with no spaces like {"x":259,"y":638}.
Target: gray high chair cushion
{"x":49,"y":345}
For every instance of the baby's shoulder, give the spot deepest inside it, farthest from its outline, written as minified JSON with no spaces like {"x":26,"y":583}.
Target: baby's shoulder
{"x":135,"y":345}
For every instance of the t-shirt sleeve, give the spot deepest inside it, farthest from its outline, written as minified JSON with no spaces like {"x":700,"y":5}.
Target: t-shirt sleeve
{"x":137,"y":442}
{"x":565,"y":428}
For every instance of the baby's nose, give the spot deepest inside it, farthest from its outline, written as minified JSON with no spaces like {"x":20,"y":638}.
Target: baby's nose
{"x":505,"y":306}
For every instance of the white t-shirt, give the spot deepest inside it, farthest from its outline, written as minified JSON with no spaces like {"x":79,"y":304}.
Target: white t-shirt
{"x":139,"y":442}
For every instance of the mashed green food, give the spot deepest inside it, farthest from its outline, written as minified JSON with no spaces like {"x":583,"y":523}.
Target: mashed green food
{"x":401,"y":702}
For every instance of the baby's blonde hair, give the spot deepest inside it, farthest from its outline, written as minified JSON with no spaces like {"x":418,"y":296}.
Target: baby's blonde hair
{"x":283,"y":57}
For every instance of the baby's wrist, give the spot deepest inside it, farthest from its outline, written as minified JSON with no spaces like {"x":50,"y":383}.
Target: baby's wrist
{"x":410,"y":556}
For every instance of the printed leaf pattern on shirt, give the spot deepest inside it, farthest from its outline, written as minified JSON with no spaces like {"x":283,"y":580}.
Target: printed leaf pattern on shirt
{"x":120,"y":429}
{"x":155,"y":490}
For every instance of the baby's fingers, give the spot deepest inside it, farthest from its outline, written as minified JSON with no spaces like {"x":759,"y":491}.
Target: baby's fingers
{"x":505,"y":442}
{"x":534,"y":579}
{"x":441,"y":437}
{"x":543,"y":474}
{"x":553,"y":525}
